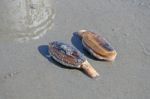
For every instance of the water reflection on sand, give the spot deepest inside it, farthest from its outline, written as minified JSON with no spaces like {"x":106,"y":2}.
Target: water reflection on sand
{"x":25,"y":19}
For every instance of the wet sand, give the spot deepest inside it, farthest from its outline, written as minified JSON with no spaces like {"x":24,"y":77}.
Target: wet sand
{"x":27,"y":71}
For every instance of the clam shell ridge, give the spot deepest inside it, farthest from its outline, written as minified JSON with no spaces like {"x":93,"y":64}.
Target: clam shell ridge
{"x":66,"y":54}
{"x":97,"y":45}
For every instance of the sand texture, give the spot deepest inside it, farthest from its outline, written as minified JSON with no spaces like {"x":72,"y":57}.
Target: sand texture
{"x":28,"y":72}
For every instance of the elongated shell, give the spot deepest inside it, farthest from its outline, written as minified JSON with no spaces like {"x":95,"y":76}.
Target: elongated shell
{"x":66,"y":54}
{"x":97,"y":45}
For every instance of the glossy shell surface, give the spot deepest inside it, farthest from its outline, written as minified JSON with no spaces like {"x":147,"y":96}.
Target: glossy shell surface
{"x":97,"y":45}
{"x":66,"y":54}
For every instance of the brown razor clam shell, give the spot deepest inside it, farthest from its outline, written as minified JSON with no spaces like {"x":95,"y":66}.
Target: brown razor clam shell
{"x":97,"y":45}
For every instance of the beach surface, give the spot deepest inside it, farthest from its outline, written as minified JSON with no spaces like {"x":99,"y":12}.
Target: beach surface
{"x":28,"y":72}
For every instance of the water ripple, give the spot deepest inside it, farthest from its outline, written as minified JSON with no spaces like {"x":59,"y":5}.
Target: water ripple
{"x":24,"y":20}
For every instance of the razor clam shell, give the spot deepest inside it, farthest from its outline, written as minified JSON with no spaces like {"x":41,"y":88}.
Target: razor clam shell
{"x":61,"y":52}
{"x":106,"y":52}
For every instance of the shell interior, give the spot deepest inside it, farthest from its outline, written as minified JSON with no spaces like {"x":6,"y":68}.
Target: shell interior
{"x":98,"y":46}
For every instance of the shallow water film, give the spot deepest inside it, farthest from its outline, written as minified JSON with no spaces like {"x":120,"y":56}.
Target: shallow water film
{"x":25,"y":19}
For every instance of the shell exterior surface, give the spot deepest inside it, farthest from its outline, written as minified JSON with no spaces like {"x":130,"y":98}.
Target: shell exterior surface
{"x":97,"y":45}
{"x":66,"y":54}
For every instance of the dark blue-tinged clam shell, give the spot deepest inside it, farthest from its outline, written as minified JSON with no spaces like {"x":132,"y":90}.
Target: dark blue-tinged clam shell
{"x":66,"y":54}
